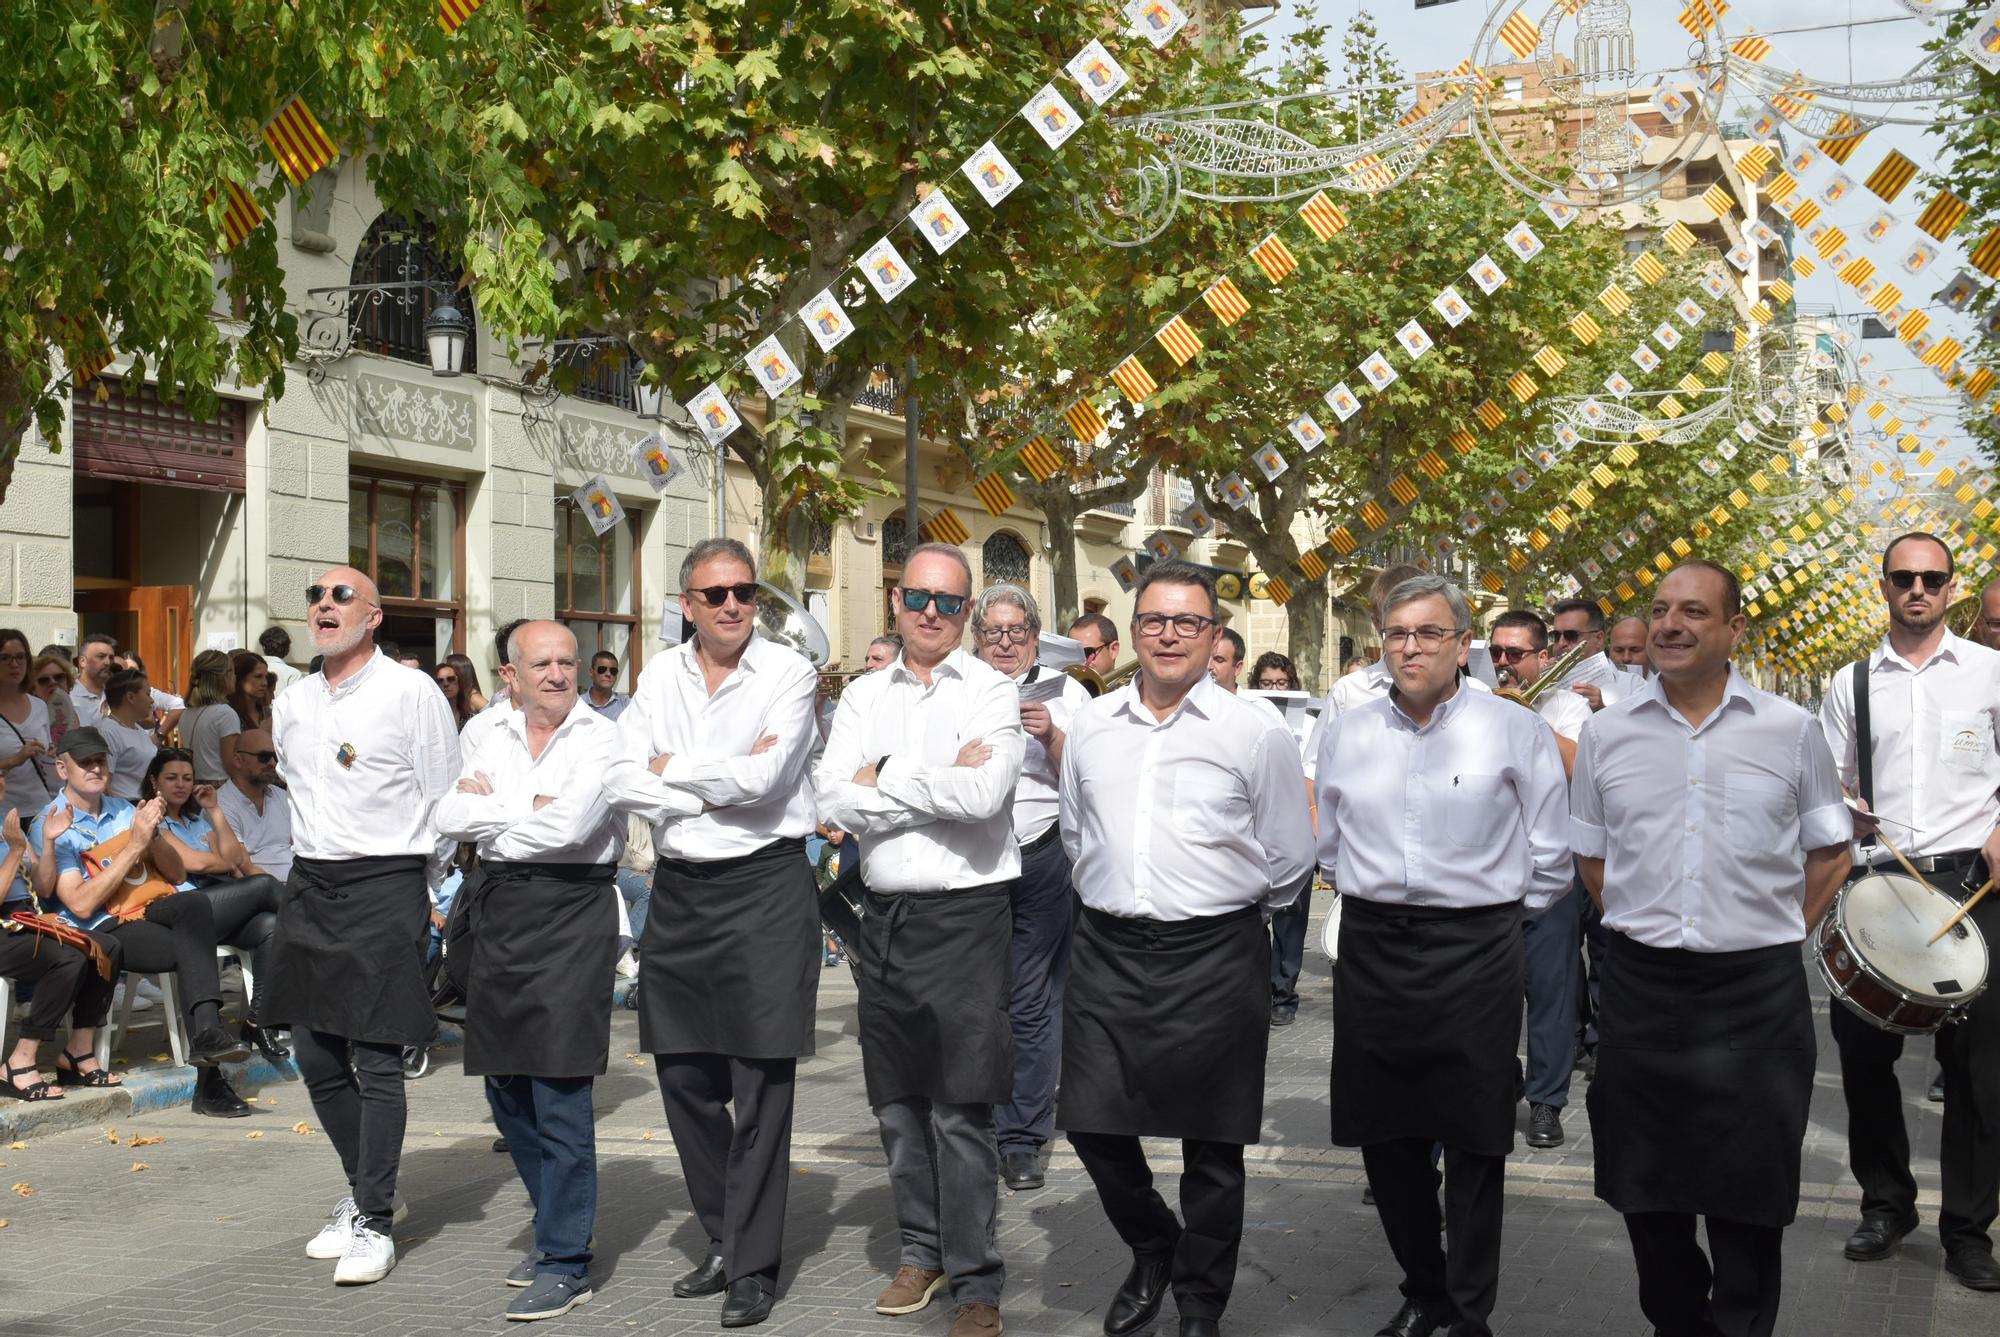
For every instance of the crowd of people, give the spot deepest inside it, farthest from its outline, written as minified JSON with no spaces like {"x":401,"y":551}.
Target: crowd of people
{"x":1068,"y":915}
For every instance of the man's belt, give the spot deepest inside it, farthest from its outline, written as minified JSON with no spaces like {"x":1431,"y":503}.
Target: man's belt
{"x":1957,"y":861}
{"x":1054,"y":833}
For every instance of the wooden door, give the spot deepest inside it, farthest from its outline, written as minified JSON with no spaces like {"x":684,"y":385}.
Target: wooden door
{"x":156,"y":620}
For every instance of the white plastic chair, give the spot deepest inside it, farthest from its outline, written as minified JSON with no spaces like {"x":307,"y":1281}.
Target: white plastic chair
{"x":7,"y":1018}
{"x":170,"y":1000}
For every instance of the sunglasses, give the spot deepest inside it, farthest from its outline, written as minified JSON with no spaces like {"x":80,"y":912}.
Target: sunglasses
{"x":266,"y":758}
{"x":1933,"y":580}
{"x":1507,"y":654}
{"x":948,"y":605}
{"x":605,"y":668}
{"x":1565,"y":637}
{"x":49,"y":680}
{"x":340,"y":594}
{"x":717,"y":595}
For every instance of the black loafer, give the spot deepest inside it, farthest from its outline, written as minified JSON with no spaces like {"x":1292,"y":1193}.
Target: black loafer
{"x":1137,"y":1302}
{"x":215,"y":1098}
{"x":1413,"y":1320}
{"x":704,"y":1280}
{"x":1284,"y":1016}
{"x":1200,"y":1327}
{"x":1974,"y":1267}
{"x":1021,"y":1169}
{"x":269,"y":1045}
{"x":1875,"y":1238}
{"x":748,"y":1303}
{"x":213,"y":1045}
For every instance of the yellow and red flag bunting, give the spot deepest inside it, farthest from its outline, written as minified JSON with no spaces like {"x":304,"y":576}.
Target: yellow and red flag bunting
{"x":1781,"y":187}
{"x":1323,"y":216}
{"x":1624,"y":455}
{"x":1615,"y":300}
{"x":1373,"y":515}
{"x":1756,"y":164}
{"x":1523,"y":386}
{"x":946,"y":527}
{"x":1761,"y":313}
{"x":1040,"y":459}
{"x":1753,"y":49}
{"x":1133,"y":378}
{"x":1715,"y":362}
{"x":1550,"y":361}
{"x":1803,"y":266}
{"x":1678,"y":238}
{"x":1843,"y":137}
{"x":994,"y":494}
{"x":1858,"y":271}
{"x":1491,"y":581}
{"x":1180,"y":340}
{"x":1693,"y":384}
{"x":1701,"y":15}
{"x":1402,"y":489}
{"x":1806,"y":214}
{"x":1521,"y":35}
{"x":93,"y":345}
{"x":1280,"y":592}
{"x":1718,"y":199}
{"x":1343,"y":540}
{"x":1649,"y":269}
{"x":240,"y":216}
{"x":1312,"y":566}
{"x":1463,"y":441}
{"x":1981,"y":384}
{"x":1490,"y":415}
{"x":1943,"y":353}
{"x":1942,"y":215}
{"x":298,"y":142}
{"x":1831,"y":242}
{"x":452,"y":14}
{"x":1781,"y":292}
{"x":1585,"y":329}
{"x":1603,"y":476}
{"x":1886,"y":297}
{"x":1274,"y":258}
{"x":1890,"y":176}
{"x":1986,"y":255}
{"x":1432,"y":465}
{"x":1671,"y":407}
{"x":1084,"y":419}
{"x":1226,"y":301}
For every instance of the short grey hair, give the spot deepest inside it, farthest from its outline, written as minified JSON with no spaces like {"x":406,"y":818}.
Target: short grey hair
{"x":1429,"y":587}
{"x":951,"y":550}
{"x":710,"y":548}
{"x":1011,"y":595}
{"x":529,"y":624}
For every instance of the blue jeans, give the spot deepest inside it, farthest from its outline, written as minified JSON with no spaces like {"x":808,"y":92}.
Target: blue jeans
{"x":1288,"y":948}
{"x":637,"y":889}
{"x":552,"y":1135}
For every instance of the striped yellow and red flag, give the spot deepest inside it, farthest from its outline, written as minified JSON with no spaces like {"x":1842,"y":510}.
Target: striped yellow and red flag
{"x":1831,"y":242}
{"x":1715,"y":362}
{"x":1558,"y":518}
{"x":1720,"y":515}
{"x":1280,"y":592}
{"x":1701,"y":15}
{"x":240,"y":215}
{"x":1343,"y":540}
{"x":1678,"y":238}
{"x":1806,"y":213}
{"x":1742,"y":338}
{"x":1718,"y":199}
{"x":1523,"y":386}
{"x":1462,"y":440}
{"x":1226,"y":301}
{"x":1753,"y":49}
{"x":1041,"y":459}
{"x":1179,"y":339}
{"x":1781,"y":187}
{"x":1403,"y":489}
{"x":1550,"y":361}
{"x":1913,"y":325}
{"x":1133,"y":378}
{"x":1739,"y":498}
{"x":1432,"y":465}
{"x":1490,"y":582}
{"x":1757,"y":163}
{"x":86,"y":347}
{"x":1539,"y":540}
{"x":1490,"y":415}
{"x":1886,"y":298}
{"x":1603,"y":476}
{"x":1693,"y":384}
{"x":1518,"y":560}
{"x":1803,"y":266}
{"x":1323,"y":216}
{"x":1373,"y":515}
{"x":1615,"y":300}
{"x":1680,"y":547}
{"x":1781,"y":292}
{"x":1891,"y":176}
{"x":1981,"y":384}
{"x":1671,"y":408}
{"x":297,"y":141}
{"x":1586,"y":329}
{"x":1084,"y":419}
{"x":1274,"y":258}
{"x":946,"y":527}
{"x":1312,"y":566}
{"x":1649,"y":269}
{"x":1624,"y":455}
{"x":1943,"y":353}
{"x":994,"y":494}
{"x":1858,"y":271}
{"x":1942,"y":215}
{"x":452,"y":14}
{"x":1986,"y":255}
{"x":1521,"y":35}
{"x":1843,"y":137}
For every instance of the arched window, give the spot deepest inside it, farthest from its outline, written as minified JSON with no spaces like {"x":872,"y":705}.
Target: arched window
{"x":895,"y":540}
{"x":1004,"y":558}
{"x":392,"y":323}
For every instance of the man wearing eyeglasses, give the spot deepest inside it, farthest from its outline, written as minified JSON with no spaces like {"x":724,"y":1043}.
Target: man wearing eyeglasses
{"x":718,"y":739}
{"x":604,"y":696}
{"x":368,"y":748}
{"x":1443,"y":818}
{"x":1928,"y":761}
{"x":921,"y":763}
{"x":1181,"y":811}
{"x":258,"y":809}
{"x":1007,"y":629}
{"x":1371,"y":682}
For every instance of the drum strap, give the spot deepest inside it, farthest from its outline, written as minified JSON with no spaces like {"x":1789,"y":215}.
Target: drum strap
{"x":1864,"y":737}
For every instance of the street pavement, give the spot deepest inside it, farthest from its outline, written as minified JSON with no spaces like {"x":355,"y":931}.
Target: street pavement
{"x":202,"y":1228}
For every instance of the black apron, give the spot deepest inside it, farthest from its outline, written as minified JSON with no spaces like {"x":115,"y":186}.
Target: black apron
{"x":1426,"y":1020}
{"x":729,"y":959}
{"x":1704,"y":1079}
{"x":348,"y":955}
{"x":1165,"y":1027}
{"x":935,"y":970}
{"x":543,"y":938}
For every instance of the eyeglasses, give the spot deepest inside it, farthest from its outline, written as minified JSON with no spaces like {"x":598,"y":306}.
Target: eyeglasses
{"x":1565,"y":637}
{"x":1503,"y":654}
{"x":340,"y":594}
{"x":1184,"y":624}
{"x":1933,"y":580}
{"x":15,"y":658}
{"x":604,"y":668}
{"x":995,"y":635}
{"x":948,"y":605}
{"x":715,"y":596}
{"x":265,"y":758}
{"x":1426,"y":638}
{"x":1274,"y":685}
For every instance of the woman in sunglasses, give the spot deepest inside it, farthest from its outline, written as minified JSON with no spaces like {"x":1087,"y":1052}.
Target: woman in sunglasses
{"x":26,"y":766}
{"x":49,"y":679}
{"x":459,"y":681}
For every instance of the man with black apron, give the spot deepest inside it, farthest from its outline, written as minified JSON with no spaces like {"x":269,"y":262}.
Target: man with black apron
{"x":1007,"y":628}
{"x":1181,"y":810}
{"x":1921,"y":745}
{"x":1443,"y":818}
{"x":367,"y":748}
{"x":921,"y":763}
{"x":1708,"y":826}
{"x":717,"y":740}
{"x":535,"y":944}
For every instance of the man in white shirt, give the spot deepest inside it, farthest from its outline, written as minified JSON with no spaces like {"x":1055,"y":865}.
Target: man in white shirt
{"x":1596,"y":679}
{"x":1933,"y":773}
{"x":93,"y":668}
{"x":1443,"y":819}
{"x":259,"y":810}
{"x":536,"y":943}
{"x":276,"y":643}
{"x":1708,"y":825}
{"x":716,"y":745}
{"x":921,"y":763}
{"x":369,"y":749}
{"x":1182,"y":810}
{"x":1007,"y":631}
{"x":1097,"y":636}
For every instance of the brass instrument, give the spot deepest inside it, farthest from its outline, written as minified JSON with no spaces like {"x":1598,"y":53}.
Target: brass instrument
{"x":1097,"y":684}
{"x":1552,"y":676}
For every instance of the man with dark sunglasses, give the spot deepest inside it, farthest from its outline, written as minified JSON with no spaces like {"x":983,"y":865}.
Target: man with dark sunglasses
{"x":603,"y":693}
{"x":921,"y":762}
{"x":1929,"y":763}
{"x":257,"y":806}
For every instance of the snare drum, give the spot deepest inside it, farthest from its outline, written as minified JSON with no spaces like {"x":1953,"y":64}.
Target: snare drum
{"x":1873,"y":954}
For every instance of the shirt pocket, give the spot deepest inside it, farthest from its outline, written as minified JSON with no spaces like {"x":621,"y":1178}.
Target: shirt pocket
{"x":1759,"y":811}
{"x":1475,"y":811}
{"x":1965,"y":737}
{"x":1208,"y":807}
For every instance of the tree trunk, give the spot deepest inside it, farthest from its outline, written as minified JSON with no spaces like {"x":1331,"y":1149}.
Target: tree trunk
{"x":787,"y":542}
{"x":1305,"y":624}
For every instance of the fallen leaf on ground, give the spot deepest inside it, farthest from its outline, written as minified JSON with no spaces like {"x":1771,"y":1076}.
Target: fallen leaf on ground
{"x":3,"y":1223}
{"x":17,"y":1146}
{"x":25,"y":1190}
{"x":269,"y":1100}
{"x":302,"y":1128}
{"x":147,"y":1141}
{"x":111,"y":1136}
{"x":253,"y":1135}
{"x":138,"y":1166}
{"x":647,"y":1136}
{"x":161,"y":1058}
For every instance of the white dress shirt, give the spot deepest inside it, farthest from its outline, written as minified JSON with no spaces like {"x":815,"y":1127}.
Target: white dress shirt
{"x":1470,"y":810}
{"x":930,"y":824}
{"x":1704,"y":831}
{"x":1192,"y":816}
{"x":578,"y":827}
{"x":1937,"y":745}
{"x":266,"y":835}
{"x":283,"y":675}
{"x":403,"y":758}
{"x":757,"y":799}
{"x":1037,"y":802}
{"x":89,"y":705}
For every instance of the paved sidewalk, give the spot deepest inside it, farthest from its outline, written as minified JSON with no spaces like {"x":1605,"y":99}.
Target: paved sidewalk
{"x":208,"y":1237}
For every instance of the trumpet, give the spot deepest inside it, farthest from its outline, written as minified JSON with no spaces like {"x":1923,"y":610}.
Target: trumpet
{"x":1551,"y":677}
{"x":1097,"y":684}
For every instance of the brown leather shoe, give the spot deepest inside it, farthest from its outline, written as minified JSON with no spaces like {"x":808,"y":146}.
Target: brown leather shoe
{"x":975,"y":1320}
{"x":910,"y":1291}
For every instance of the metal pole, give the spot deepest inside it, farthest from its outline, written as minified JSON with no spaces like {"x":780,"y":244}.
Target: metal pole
{"x":912,"y":517}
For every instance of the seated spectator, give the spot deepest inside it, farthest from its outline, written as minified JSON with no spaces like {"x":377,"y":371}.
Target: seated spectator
{"x":459,"y":682}
{"x":50,"y":678}
{"x":276,"y":643}
{"x":26,"y":767}
{"x":209,"y":723}
{"x":604,"y":696}
{"x":127,"y":730}
{"x":252,"y":694}
{"x":259,"y":810}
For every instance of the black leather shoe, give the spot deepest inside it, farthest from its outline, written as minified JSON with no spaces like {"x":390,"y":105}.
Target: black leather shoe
{"x":1137,"y":1302}
{"x":1021,"y":1169}
{"x":1284,"y":1016}
{"x":213,"y":1045}
{"x":1545,"y":1126}
{"x":267,"y":1043}
{"x":704,"y":1280}
{"x":214,"y":1097}
{"x":1936,"y":1093}
{"x":1875,"y":1238}
{"x":1200,"y":1327}
{"x":1974,"y":1267}
{"x":1413,"y":1320}
{"x":748,"y":1303}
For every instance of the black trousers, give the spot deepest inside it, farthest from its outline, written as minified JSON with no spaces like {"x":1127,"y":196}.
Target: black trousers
{"x":181,"y":932}
{"x":1203,"y":1249}
{"x":357,"y":1091}
{"x":1732,"y":1290}
{"x":738,"y":1169}
{"x":1288,"y":947}
{"x":1464,"y":1273}
{"x":67,"y":986}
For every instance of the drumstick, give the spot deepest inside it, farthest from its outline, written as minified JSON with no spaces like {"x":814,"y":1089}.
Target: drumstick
{"x":1909,"y":868}
{"x":1963,"y":911}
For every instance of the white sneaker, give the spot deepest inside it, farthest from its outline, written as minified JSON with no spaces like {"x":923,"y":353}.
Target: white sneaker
{"x":140,"y":1003}
{"x":628,"y":966}
{"x":149,"y":991}
{"x":369,"y":1257}
{"x":336,"y":1234}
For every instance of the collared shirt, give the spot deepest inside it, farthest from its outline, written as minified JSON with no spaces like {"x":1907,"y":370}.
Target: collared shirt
{"x":89,"y":705}
{"x":1704,"y":831}
{"x":193,"y":829}
{"x":1036,"y":801}
{"x":132,"y":751}
{"x":267,"y":835}
{"x":930,"y":824}
{"x":611,"y":709}
{"x":283,"y":675}
{"x":1937,"y":745}
{"x":367,"y":762}
{"x":85,"y":832}
{"x":1564,"y":711}
{"x":1353,"y":690}
{"x":578,"y":827}
{"x":1470,"y":810}
{"x":710,"y":741}
{"x":1195,"y":815}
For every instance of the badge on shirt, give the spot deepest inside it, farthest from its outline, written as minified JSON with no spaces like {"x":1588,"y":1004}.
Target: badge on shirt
{"x":345,"y":756}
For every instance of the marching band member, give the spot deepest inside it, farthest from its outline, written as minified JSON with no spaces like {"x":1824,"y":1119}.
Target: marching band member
{"x":717,"y":740}
{"x":921,"y":763}
{"x":1924,"y":751}
{"x":1709,"y":828}
{"x":1442,"y":819}
{"x":1181,"y":809}
{"x":1625,"y":645}
{"x":542,"y":940}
